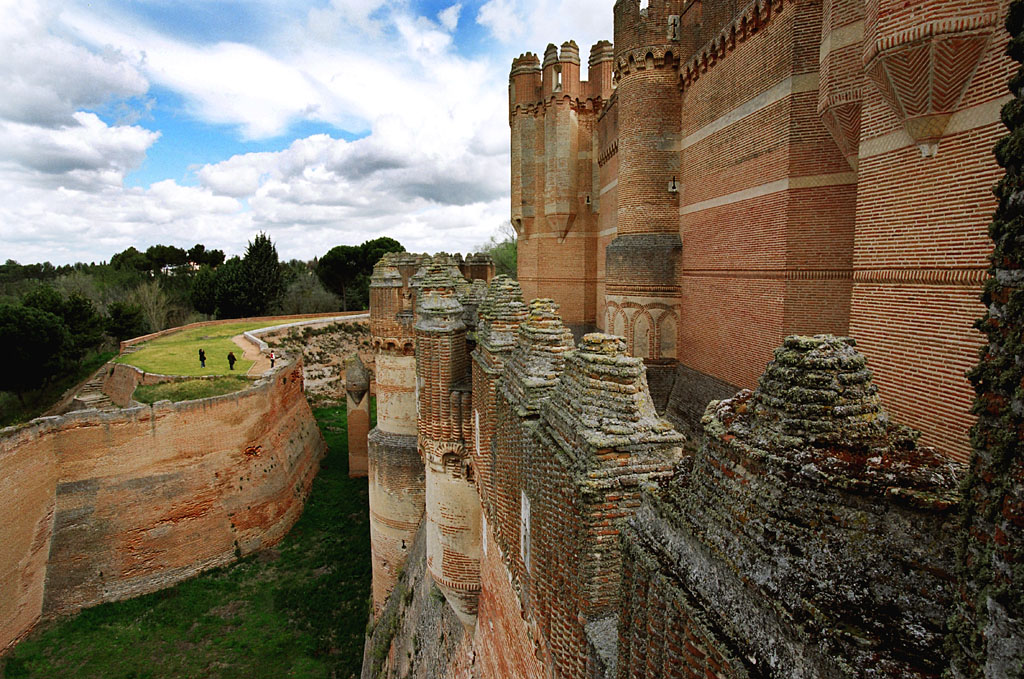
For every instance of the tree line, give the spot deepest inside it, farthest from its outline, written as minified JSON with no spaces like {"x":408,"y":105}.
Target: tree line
{"x":53,"y":317}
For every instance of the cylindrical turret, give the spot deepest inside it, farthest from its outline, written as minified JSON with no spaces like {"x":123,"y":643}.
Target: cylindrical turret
{"x":396,"y":475}
{"x":452,"y":504}
{"x":649,"y":118}
{"x":640,"y":263}
{"x":524,"y":81}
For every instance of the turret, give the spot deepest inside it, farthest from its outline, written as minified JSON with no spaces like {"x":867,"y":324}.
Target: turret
{"x":396,"y":476}
{"x":600,"y":67}
{"x":551,"y":80}
{"x":569,"y":65}
{"x":524,"y":81}
{"x":647,"y":48}
{"x":452,"y":504}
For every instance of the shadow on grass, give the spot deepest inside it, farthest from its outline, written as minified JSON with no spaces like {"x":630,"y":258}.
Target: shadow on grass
{"x":297,"y":610}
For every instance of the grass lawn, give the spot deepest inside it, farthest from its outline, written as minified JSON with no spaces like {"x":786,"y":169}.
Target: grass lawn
{"x":298,"y":610}
{"x":178,"y":353}
{"x":187,"y":390}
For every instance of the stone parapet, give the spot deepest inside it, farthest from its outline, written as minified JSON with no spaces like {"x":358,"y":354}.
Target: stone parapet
{"x":809,"y":536}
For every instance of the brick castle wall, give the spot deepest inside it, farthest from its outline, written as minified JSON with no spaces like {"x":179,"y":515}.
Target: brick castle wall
{"x":117,"y":504}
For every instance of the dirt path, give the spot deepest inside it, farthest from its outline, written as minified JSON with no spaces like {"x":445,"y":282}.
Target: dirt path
{"x":251,"y":351}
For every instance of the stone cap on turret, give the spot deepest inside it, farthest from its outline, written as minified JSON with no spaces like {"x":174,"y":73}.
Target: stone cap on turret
{"x":570,"y":52}
{"x":818,"y":391}
{"x":550,"y":55}
{"x":816,"y":411}
{"x":538,"y":358}
{"x":525,"y":63}
{"x":602,"y":50}
{"x":357,"y":378}
{"x":601,"y":411}
{"x":501,"y":313}
{"x":385,"y":272}
{"x":439,"y":313}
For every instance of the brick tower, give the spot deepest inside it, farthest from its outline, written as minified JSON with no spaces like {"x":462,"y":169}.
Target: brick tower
{"x":555,"y":192}
{"x":642,"y":287}
{"x":444,"y":399}
{"x":396,"y":477}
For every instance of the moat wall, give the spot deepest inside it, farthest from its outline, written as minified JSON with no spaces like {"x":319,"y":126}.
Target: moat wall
{"x":109,"y":505}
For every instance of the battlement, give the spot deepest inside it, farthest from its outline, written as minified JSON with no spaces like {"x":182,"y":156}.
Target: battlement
{"x":533,"y":82}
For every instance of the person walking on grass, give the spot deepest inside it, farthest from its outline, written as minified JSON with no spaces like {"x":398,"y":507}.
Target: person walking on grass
{"x":202,"y":358}
{"x":231,"y":360}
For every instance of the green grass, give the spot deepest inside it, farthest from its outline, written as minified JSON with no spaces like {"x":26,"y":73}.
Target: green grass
{"x":295,"y":611}
{"x":12,"y":411}
{"x":178,"y":353}
{"x":187,"y":390}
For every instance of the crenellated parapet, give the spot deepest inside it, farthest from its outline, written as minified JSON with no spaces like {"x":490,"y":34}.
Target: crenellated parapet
{"x":538,"y":358}
{"x":501,"y":312}
{"x":597,"y":443}
{"x":808,"y":537}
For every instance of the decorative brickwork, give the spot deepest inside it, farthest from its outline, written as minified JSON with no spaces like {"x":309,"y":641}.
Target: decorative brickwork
{"x":758,"y":172}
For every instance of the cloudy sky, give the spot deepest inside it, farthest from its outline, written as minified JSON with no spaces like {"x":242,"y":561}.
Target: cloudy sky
{"x":319,"y":122}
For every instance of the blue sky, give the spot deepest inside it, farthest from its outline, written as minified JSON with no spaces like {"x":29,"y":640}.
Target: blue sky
{"x":319,"y":122}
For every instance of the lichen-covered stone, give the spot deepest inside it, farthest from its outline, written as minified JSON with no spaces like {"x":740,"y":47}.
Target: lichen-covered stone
{"x":602,"y":404}
{"x":501,"y":313}
{"x":538,"y":358}
{"x":811,"y":532}
{"x":988,"y":629}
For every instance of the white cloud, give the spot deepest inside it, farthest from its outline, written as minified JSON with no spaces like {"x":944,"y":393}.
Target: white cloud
{"x":530,"y":25}
{"x":433,"y":170}
{"x":46,"y":78}
{"x":449,"y":18}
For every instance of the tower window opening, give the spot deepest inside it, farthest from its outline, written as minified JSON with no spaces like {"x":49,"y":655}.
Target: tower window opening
{"x":558,"y":78}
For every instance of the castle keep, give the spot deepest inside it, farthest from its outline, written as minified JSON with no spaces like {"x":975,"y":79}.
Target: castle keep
{"x":751,"y":249}
{"x":732,"y":173}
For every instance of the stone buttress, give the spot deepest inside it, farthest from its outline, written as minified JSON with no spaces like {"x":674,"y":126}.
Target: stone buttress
{"x":396,"y":475}
{"x":445,"y":425}
{"x":809,"y":537}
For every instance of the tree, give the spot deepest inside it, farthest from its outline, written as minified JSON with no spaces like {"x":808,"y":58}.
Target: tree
{"x":339,"y":269}
{"x":306,"y":295}
{"x":204,"y":290}
{"x":503,"y":249}
{"x":345,"y":270}
{"x":199,"y":255}
{"x":35,"y":346}
{"x":152,"y":300}
{"x":131,"y":260}
{"x":232,"y":291}
{"x":125,"y":321}
{"x":76,"y":312}
{"x":163,"y":256}
{"x":263,"y":275}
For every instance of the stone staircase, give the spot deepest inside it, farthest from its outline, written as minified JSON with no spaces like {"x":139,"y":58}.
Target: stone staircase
{"x":91,"y":396}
